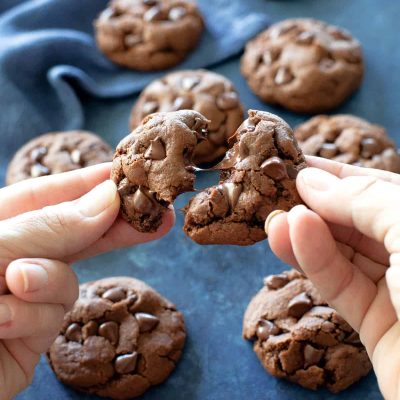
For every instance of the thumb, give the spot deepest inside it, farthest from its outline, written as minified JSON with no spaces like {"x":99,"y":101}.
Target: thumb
{"x":61,"y":230}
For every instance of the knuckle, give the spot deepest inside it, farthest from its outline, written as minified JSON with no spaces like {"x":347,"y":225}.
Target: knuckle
{"x":56,"y":220}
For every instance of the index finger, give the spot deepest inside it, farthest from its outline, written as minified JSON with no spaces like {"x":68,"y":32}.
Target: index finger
{"x":344,"y":170}
{"x":34,"y":194}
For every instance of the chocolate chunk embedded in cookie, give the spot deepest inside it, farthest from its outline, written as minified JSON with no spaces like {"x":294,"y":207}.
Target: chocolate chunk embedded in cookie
{"x":297,"y":336}
{"x":304,"y":65}
{"x":348,"y":139}
{"x":210,"y":94}
{"x":120,"y":338}
{"x":258,"y":177}
{"x":57,"y":152}
{"x":153,"y":165}
{"x":148,"y":35}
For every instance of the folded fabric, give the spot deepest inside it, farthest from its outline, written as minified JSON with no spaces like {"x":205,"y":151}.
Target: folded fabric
{"x":47,"y":49}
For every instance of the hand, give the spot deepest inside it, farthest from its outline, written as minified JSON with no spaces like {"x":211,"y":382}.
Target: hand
{"x":348,"y":245}
{"x":46,"y":223}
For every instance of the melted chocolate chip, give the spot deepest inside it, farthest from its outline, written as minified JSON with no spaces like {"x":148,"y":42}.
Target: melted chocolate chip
{"x":76,"y":156}
{"x":275,"y":168}
{"x":153,"y":14}
{"x":126,"y":363}
{"x":291,"y":171}
{"x":227,"y":101}
{"x":38,"y":153}
{"x":74,"y":332}
{"x":131,"y":40}
{"x":177,"y":13}
{"x":142,"y":202}
{"x":150,"y":2}
{"x":90,"y":329}
{"x":267,"y":58}
{"x":189,"y":82}
{"x":156,"y":150}
{"x":353,"y":338}
{"x":39,"y":170}
{"x":305,"y":37}
{"x":312,"y":356}
{"x":283,"y":76}
{"x":370,"y":147}
{"x":110,"y":331}
{"x":149,"y":107}
{"x":232,"y":192}
{"x":275,"y":282}
{"x":327,"y":63}
{"x":114,"y":294}
{"x":147,"y":322}
{"x":182,"y":103}
{"x":328,"y":150}
{"x":299,"y":305}
{"x":266,"y":328}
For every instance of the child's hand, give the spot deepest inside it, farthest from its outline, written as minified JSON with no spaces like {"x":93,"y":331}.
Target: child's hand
{"x":43,"y":228}
{"x":346,"y":244}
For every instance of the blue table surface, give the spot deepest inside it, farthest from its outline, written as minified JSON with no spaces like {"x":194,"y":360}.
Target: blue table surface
{"x":213,"y":285}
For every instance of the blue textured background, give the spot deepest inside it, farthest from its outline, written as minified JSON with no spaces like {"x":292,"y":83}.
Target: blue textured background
{"x":212,"y":285}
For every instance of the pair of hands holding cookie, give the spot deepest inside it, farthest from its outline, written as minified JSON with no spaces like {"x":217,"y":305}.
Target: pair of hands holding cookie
{"x":345,"y":243}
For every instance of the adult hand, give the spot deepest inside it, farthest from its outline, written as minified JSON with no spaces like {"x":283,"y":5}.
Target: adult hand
{"x":348,"y":244}
{"x":45,"y":224}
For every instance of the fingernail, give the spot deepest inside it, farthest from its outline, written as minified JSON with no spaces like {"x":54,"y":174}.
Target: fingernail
{"x":317,"y":178}
{"x":269,"y":218}
{"x":35,"y":277}
{"x":5,"y":314}
{"x":98,"y":199}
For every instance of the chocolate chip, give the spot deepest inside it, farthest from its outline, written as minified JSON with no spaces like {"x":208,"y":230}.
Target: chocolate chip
{"x":131,"y":40}
{"x":370,"y":147}
{"x":147,"y":322}
{"x":90,"y":329}
{"x":176,"y":13}
{"x":232,"y":192}
{"x":39,"y":170}
{"x":328,"y":150}
{"x":149,"y":107}
{"x":132,"y":299}
{"x":38,"y":153}
{"x":326,"y":63}
{"x":153,"y":14}
{"x":142,"y":202}
{"x":353,"y":338}
{"x":114,"y":294}
{"x":189,"y":82}
{"x":110,"y":331}
{"x":305,"y":37}
{"x":74,"y":332}
{"x":275,"y":282}
{"x":266,"y":328}
{"x":267,"y":58}
{"x":156,"y":150}
{"x":182,"y":103}
{"x":149,"y":2}
{"x":291,"y":171}
{"x":283,"y":76}
{"x":76,"y":156}
{"x":126,"y":363}
{"x":312,"y":356}
{"x":227,"y":101}
{"x":299,"y":305}
{"x":275,"y":168}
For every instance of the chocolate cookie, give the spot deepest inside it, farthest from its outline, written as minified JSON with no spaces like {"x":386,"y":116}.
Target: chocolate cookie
{"x":57,"y":152}
{"x":304,"y":65}
{"x":297,"y":336}
{"x":258,"y":176}
{"x":350,"y":140}
{"x":148,"y":34}
{"x":153,"y":165}
{"x":210,"y":94}
{"x":120,"y":338}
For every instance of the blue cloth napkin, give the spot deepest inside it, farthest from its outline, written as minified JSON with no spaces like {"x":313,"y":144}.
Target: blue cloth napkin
{"x":47,"y":50}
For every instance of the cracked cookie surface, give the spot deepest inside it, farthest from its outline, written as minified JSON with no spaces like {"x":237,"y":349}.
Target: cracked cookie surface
{"x":348,"y":139}
{"x":297,"y":336}
{"x":258,"y":177}
{"x":57,"y":152}
{"x":211,"y":94}
{"x":148,"y":34}
{"x":304,"y":65}
{"x":153,"y":165}
{"x":120,"y":338}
